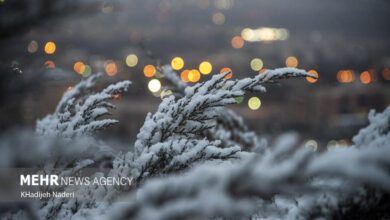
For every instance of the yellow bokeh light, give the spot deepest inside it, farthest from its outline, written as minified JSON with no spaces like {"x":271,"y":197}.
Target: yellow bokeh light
{"x":111,"y":69}
{"x":165,"y":93}
{"x":332,"y":144}
{"x":205,"y":67}
{"x":256,"y":64}
{"x":79,"y":67}
{"x":154,"y":85}
{"x":50,"y":47}
{"x":184,"y":75}
{"x":310,"y":79}
{"x":226,"y":69}
{"x":131,"y":60}
{"x":32,"y":47}
{"x":177,"y":63}
{"x":247,"y":34}
{"x":254,"y":103}
{"x":312,"y":143}
{"x":149,"y":70}
{"x":194,"y":75}
{"x":292,"y":62}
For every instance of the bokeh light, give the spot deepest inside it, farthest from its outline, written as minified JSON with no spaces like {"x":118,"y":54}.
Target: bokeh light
{"x":154,"y":85}
{"x":266,"y":34}
{"x":226,"y":69}
{"x":254,"y":103}
{"x":247,"y":34}
{"x":79,"y":67}
{"x":310,"y":79}
{"x":365,"y":77}
{"x":256,"y":64}
{"x":237,"y":42}
{"x":218,"y":18}
{"x":292,"y":62}
{"x":111,"y":68}
{"x":165,"y":93}
{"x":50,"y":64}
{"x":32,"y":47}
{"x":184,"y":75}
{"x":262,"y":70}
{"x":343,"y":143}
{"x":312,"y":143}
{"x":386,"y":74}
{"x":87,"y":71}
{"x":332,"y":144}
{"x":205,"y":67}
{"x":194,"y":75}
{"x":239,"y":99}
{"x":50,"y":47}
{"x":177,"y":63}
{"x":116,"y":96}
{"x":149,"y":70}
{"x":131,"y":60}
{"x":345,"y":76}
{"x":69,"y":88}
{"x":223,"y":4}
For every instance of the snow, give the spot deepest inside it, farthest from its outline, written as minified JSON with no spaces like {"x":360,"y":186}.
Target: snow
{"x":196,"y":159}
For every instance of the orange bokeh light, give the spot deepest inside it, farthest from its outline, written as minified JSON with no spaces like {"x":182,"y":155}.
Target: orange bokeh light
{"x":50,"y":64}
{"x":79,"y":67}
{"x":111,"y":69}
{"x":149,"y":70}
{"x":386,"y":74}
{"x":312,"y":80}
{"x":184,"y":75}
{"x":292,"y":62}
{"x":50,"y":47}
{"x":116,"y":96}
{"x":345,"y":76}
{"x":262,"y":70}
{"x":237,"y":42}
{"x":194,"y":75}
{"x":365,"y":77}
{"x":226,"y":69}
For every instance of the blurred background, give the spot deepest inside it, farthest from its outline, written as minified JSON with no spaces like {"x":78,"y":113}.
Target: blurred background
{"x":47,"y":46}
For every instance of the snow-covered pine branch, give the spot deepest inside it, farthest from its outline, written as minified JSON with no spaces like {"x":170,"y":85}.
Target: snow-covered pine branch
{"x":230,"y":127}
{"x":78,"y":110}
{"x":173,"y":138}
{"x":378,"y":127}
{"x":282,"y":183}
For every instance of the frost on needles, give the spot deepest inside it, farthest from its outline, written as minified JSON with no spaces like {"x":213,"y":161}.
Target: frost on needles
{"x":77,"y":112}
{"x":173,"y":138}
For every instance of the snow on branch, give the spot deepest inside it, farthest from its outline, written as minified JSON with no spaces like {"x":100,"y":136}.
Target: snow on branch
{"x":379,"y":125}
{"x":230,"y":127}
{"x":78,"y":110}
{"x":173,"y":138}
{"x":282,"y":183}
